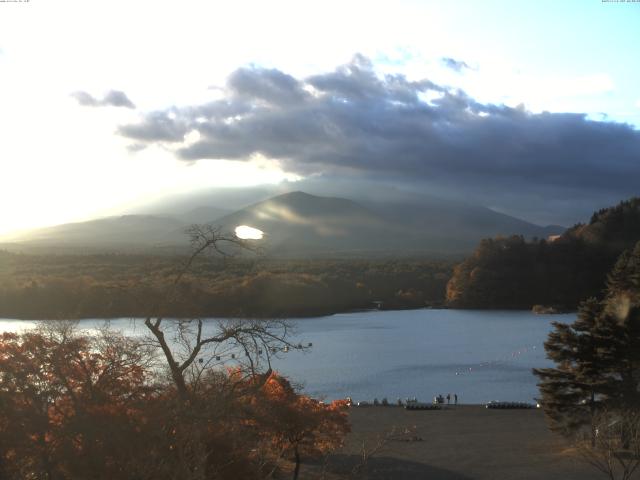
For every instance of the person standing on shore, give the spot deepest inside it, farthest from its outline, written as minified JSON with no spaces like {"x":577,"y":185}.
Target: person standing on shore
{"x":448,"y":399}
{"x":455,"y":398}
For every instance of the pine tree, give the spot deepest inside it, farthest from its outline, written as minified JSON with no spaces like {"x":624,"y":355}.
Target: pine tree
{"x":624,"y":279}
{"x":571,"y":391}
{"x":619,"y":328}
{"x":598,"y":356}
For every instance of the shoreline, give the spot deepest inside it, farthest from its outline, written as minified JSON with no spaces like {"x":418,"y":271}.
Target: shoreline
{"x":298,"y":317}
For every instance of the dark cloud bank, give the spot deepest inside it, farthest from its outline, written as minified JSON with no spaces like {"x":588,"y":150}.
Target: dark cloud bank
{"x":547,"y":167}
{"x":113,"y":98}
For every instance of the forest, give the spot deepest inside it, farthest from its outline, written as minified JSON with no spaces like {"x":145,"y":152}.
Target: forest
{"x":513,"y":273}
{"x":110,"y":286}
{"x":504,"y":272}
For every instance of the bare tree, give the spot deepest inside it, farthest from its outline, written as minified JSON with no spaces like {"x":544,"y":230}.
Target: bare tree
{"x":615,"y":449}
{"x":190,"y":347}
{"x":368,"y":452}
{"x":191,"y":399}
{"x":195,"y":353}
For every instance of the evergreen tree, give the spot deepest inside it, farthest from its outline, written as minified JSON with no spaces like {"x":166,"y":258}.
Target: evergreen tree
{"x":624,"y":279}
{"x":572,"y":391}
{"x":598,"y":356}
{"x":619,"y":329}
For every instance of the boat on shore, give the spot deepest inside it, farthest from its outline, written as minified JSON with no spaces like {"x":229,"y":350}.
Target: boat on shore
{"x":495,"y":404}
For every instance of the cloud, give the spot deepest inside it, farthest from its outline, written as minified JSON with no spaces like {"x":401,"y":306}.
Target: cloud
{"x":269,"y":85}
{"x":113,"y":98}
{"x":116,"y":98}
{"x":453,"y":64}
{"x":354,"y":121}
{"x":85,"y":99}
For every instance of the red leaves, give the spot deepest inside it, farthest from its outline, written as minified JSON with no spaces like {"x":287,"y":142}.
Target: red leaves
{"x":85,"y":407}
{"x":292,"y":420}
{"x":57,"y":393}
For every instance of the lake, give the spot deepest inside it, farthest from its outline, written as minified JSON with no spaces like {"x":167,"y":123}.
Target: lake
{"x":480,"y":355}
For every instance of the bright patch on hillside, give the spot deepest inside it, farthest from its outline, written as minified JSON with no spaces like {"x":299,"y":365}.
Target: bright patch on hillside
{"x":248,"y":233}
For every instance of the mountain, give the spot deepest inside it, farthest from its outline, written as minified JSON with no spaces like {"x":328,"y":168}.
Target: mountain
{"x":122,"y":232}
{"x":203,"y":214}
{"x":458,"y":221}
{"x":301,"y":224}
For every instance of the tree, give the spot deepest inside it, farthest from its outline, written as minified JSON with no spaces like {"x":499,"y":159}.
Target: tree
{"x":609,"y":453}
{"x":598,"y":359}
{"x":513,"y":273}
{"x":255,"y":340}
{"x":572,"y":391}
{"x":624,"y":280}
{"x":194,"y":352}
{"x":71,"y":404}
{"x":195,"y":399}
{"x":297,"y":423}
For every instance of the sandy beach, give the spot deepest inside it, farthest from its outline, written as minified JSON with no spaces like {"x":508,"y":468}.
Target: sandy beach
{"x":456,"y":443}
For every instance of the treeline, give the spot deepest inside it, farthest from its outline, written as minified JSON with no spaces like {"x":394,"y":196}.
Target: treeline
{"x":106,"y":406}
{"x":515,"y":274}
{"x":48,"y":286}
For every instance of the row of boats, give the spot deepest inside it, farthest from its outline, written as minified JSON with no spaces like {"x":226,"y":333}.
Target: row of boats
{"x":414,"y":404}
{"x":511,"y":405}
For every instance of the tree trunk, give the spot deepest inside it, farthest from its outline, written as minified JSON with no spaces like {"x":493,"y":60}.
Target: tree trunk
{"x":176,"y":373}
{"x":296,"y":471}
{"x":594,"y":429}
{"x":625,"y":437}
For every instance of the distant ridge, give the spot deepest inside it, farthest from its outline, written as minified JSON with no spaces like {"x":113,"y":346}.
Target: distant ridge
{"x":300,"y":224}
{"x":125,"y":230}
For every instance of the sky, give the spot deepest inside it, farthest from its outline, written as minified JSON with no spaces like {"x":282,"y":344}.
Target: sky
{"x":530,"y":108}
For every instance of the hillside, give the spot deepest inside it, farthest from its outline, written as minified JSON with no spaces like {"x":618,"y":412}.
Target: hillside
{"x":513,"y":273}
{"x":458,"y":222}
{"x":300,"y":224}
{"x":615,"y":228}
{"x":110,"y":232}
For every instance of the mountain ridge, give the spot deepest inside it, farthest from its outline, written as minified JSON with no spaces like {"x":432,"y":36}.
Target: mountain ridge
{"x":299,"y":223}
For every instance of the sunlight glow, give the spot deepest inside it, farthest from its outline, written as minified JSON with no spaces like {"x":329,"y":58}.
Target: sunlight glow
{"x":245,"y":232}
{"x":63,"y":162}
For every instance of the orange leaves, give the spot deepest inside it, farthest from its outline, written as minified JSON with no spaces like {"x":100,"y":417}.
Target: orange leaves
{"x":341,"y":405}
{"x":78,"y":405}
{"x":278,"y":388}
{"x":62,"y":394}
{"x":286,"y":420}
{"x":296,"y":421}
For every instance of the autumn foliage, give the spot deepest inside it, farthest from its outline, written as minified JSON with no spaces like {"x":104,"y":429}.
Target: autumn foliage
{"x":297,"y":424}
{"x":112,"y":286}
{"x":78,"y":406}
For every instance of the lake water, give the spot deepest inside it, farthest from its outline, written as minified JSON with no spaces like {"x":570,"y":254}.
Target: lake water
{"x":480,"y":355}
